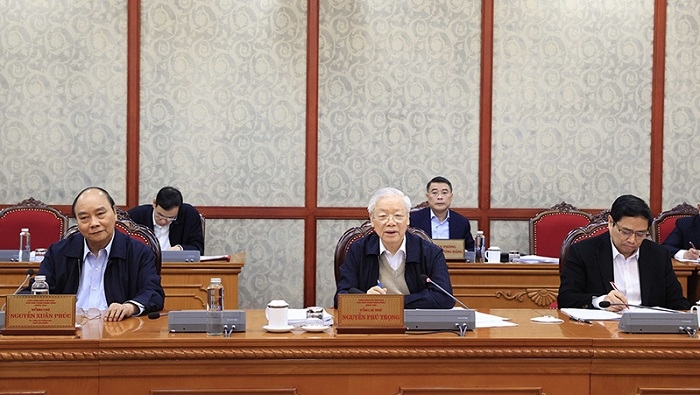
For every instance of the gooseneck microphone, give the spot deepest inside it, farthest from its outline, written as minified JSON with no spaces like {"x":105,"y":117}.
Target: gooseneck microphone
{"x":427,"y":279}
{"x":30,"y":273}
{"x":606,"y":303}
{"x":154,"y":315}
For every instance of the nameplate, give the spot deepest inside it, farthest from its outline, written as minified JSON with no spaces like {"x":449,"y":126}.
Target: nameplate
{"x":362,"y":313}
{"x":40,"y":315}
{"x":453,"y":248}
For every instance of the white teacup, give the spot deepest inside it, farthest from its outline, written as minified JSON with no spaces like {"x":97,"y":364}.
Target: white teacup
{"x":695,"y":309}
{"x":276,"y":313}
{"x":493,"y":254}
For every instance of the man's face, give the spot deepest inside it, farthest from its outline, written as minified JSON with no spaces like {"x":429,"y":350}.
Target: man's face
{"x":390,"y":220}
{"x":96,"y":218}
{"x":439,"y":196}
{"x":164,"y":217}
{"x":628,"y":233}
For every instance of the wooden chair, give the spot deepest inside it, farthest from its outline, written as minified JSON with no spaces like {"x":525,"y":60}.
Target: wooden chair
{"x":420,"y":206}
{"x":125,"y":225}
{"x":46,"y":224}
{"x":549,"y":228}
{"x":577,"y":235}
{"x":663,"y":225}
{"x":353,"y":234}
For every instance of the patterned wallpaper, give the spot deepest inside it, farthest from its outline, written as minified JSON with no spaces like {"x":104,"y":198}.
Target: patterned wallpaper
{"x":223,"y":96}
{"x":398,"y":96}
{"x":62,"y":99}
{"x":682,"y":104}
{"x":572,"y":101}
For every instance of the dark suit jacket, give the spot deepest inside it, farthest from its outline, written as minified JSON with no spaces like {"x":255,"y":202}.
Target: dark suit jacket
{"x":687,"y":230}
{"x":130,"y":273}
{"x":186,"y":230}
{"x":589,"y":271}
{"x":459,"y":226}
{"x":360,"y":272}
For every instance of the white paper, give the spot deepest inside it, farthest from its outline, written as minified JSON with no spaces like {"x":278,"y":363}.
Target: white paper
{"x":591,"y":314}
{"x":297,"y":317}
{"x":484,"y":320}
{"x":537,"y":259}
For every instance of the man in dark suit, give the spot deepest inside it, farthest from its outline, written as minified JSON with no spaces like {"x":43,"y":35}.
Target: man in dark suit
{"x":684,"y":238}
{"x":437,"y":220}
{"x":177,"y":225}
{"x":621,"y":266}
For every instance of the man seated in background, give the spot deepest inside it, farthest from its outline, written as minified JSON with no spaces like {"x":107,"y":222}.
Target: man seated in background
{"x":107,"y":270}
{"x":684,"y":238}
{"x":392,"y":261}
{"x":177,"y":225}
{"x":621,"y":266}
{"x":437,"y":220}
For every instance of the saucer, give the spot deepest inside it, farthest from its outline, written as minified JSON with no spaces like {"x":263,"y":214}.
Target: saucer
{"x":315,"y":328}
{"x":281,"y":329}
{"x":547,"y":319}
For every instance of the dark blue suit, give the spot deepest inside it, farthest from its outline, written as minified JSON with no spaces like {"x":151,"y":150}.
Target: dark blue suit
{"x":589,"y":271}
{"x":360,"y":271}
{"x":687,"y":231}
{"x":130,"y":273}
{"x":186,"y":230}
{"x":459,"y":226}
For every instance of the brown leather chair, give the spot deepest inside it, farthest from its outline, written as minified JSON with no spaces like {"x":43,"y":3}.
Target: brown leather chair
{"x":549,"y":228}
{"x":663,"y":225}
{"x":46,"y":224}
{"x":353,"y":234}
{"x":125,"y":225}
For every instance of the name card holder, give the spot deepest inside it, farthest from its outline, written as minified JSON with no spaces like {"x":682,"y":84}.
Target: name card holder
{"x":362,"y":313}
{"x":453,"y":248}
{"x":40,"y":315}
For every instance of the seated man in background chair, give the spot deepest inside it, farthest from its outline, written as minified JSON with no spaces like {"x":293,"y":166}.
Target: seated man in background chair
{"x":177,"y":225}
{"x":437,"y":220}
{"x":106,"y":269}
{"x":621,"y":266}
{"x":683,"y":241}
{"x":392,"y":261}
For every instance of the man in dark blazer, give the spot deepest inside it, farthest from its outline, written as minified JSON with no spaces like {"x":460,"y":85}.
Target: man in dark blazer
{"x":684,"y":238}
{"x":437,"y":220}
{"x":177,"y":225}
{"x":621,"y":266}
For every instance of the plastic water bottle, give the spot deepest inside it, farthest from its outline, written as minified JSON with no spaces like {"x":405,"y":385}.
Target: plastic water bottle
{"x":479,"y":246}
{"x":40,"y":286}
{"x":215,"y":307}
{"x":25,"y":245}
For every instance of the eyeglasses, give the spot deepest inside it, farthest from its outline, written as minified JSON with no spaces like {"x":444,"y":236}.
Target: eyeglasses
{"x":164,"y":218}
{"x":384,"y":218}
{"x":626,"y":233}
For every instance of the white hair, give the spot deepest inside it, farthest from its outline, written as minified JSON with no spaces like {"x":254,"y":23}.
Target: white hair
{"x":387,"y":192}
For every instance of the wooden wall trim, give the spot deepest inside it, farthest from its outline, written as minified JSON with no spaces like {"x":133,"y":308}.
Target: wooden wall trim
{"x":657,"y":108}
{"x":133,"y":110}
{"x":485,"y":116}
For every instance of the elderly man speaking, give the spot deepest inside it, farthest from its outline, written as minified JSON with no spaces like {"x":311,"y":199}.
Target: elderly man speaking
{"x":391,"y":261}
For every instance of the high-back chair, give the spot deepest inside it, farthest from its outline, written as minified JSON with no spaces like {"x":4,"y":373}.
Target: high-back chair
{"x":356,"y":233}
{"x":141,"y":233}
{"x":577,"y":235}
{"x":46,"y":224}
{"x":663,"y":225}
{"x":549,"y":228}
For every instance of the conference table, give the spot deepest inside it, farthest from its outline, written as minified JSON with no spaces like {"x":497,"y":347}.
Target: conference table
{"x":139,"y":356}
{"x":529,"y":285}
{"x":185,"y":283}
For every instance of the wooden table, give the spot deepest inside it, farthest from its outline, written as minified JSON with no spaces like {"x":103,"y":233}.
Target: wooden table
{"x":139,"y":356}
{"x":528,"y":285}
{"x":185,"y":283}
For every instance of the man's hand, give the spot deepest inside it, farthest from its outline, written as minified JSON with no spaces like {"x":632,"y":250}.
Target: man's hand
{"x":118,"y":311}
{"x":376,"y":290}
{"x":616,"y":297}
{"x":692,"y":254}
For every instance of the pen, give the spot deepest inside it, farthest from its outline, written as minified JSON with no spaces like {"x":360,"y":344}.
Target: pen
{"x":577,"y":319}
{"x":692,"y":245}
{"x":379,"y":284}
{"x":612,"y":283}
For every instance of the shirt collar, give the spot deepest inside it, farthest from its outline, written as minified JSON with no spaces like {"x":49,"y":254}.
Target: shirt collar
{"x":108,"y":248}
{"x":433,"y":216}
{"x":402,"y":248}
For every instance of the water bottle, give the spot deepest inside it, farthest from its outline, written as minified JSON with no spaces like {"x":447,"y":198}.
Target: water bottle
{"x":479,"y":246}
{"x":40,"y":286}
{"x":215,"y":308}
{"x":25,"y":248}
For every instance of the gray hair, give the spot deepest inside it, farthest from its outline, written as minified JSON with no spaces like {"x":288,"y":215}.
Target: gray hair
{"x":387,"y":192}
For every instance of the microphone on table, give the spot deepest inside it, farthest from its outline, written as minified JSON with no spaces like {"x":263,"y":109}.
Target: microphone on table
{"x":606,"y":303}
{"x":427,"y":279}
{"x":154,"y":315}
{"x":30,"y":273}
